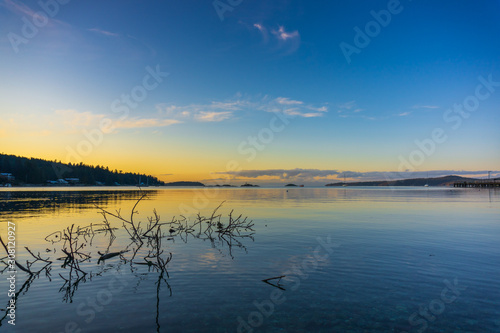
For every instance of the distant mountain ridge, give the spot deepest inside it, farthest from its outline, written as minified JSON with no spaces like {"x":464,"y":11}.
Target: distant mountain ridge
{"x":439,"y":181}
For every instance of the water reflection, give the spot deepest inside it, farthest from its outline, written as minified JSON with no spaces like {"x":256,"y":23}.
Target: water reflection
{"x":381,"y":273}
{"x":72,"y":249}
{"x":33,"y":203}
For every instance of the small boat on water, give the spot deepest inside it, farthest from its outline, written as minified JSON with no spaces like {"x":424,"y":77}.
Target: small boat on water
{"x":141,"y":184}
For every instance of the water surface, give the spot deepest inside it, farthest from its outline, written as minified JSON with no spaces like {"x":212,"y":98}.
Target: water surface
{"x":355,"y":260}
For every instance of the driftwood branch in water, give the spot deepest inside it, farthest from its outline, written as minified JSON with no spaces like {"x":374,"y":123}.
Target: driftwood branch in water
{"x":109,"y":255}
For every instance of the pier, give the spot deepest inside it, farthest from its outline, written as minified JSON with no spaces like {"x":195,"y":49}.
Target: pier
{"x":482,"y":183}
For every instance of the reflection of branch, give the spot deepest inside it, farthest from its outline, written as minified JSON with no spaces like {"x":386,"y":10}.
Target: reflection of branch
{"x":158,"y":287}
{"x":24,"y":288}
{"x":70,"y":285}
{"x":277,"y":285}
{"x":152,"y":223}
{"x":73,"y":252}
{"x":37,"y":258}
{"x":21,"y":267}
{"x":146,"y":242}
{"x":31,"y":274}
{"x":273,"y":278}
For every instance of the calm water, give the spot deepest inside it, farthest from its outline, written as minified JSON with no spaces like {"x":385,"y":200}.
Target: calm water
{"x":355,"y":260}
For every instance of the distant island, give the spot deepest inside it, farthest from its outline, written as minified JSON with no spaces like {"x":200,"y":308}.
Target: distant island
{"x":184,"y":183}
{"x":23,"y":171}
{"x":439,"y":181}
{"x":223,"y":185}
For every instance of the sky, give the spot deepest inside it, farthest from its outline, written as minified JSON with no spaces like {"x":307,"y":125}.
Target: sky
{"x":268,"y":92}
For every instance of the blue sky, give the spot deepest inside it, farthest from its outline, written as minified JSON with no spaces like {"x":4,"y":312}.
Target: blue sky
{"x":226,"y":77}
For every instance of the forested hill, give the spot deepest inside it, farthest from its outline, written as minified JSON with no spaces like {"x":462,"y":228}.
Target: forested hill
{"x":439,"y":181}
{"x":21,"y":171}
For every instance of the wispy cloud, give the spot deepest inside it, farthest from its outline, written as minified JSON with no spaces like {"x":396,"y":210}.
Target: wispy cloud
{"x":347,"y":105}
{"x":282,"y":34}
{"x":18,"y":8}
{"x":263,"y":31}
{"x":404,"y":114}
{"x":58,"y":38}
{"x":143,"y":123}
{"x":287,"y":101}
{"x":351,"y":109}
{"x":21,"y":9}
{"x":281,"y":173}
{"x":213,"y":116}
{"x":260,"y":27}
{"x":317,"y":175}
{"x":229,"y":105}
{"x":216,"y":111}
{"x":73,"y":121}
{"x":282,"y":40}
{"x":321,"y":109}
{"x":103,"y":32}
{"x":293,"y":108}
{"x":425,"y":107}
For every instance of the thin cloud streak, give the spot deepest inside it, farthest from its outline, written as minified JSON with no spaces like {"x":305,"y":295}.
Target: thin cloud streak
{"x":216,"y":111}
{"x":143,"y":123}
{"x":425,"y":107}
{"x":316,"y":175}
{"x":104,"y":32}
{"x":213,"y":116}
{"x":71,"y":122}
{"x":21,"y":9}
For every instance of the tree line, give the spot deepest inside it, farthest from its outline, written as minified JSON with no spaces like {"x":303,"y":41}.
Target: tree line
{"x":37,"y":171}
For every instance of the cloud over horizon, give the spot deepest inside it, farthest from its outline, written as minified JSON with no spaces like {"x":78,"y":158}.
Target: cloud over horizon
{"x":317,"y":175}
